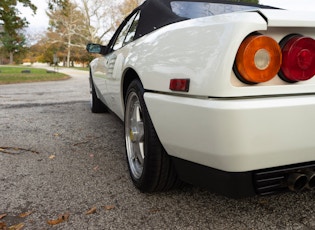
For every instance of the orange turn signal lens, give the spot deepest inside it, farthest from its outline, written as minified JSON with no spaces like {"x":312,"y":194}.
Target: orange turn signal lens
{"x":258,"y":59}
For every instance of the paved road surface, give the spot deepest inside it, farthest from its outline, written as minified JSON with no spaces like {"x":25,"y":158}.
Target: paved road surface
{"x":74,"y":89}
{"x":56,"y":158}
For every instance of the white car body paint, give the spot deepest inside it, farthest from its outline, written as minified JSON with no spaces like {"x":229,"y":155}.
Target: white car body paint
{"x":221,"y":122}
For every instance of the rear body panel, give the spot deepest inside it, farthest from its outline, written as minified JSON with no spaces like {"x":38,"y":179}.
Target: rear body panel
{"x":221,"y":124}
{"x":236,"y":135}
{"x":179,"y":51}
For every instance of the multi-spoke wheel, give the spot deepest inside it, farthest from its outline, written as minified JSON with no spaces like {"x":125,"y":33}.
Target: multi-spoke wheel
{"x":150,"y":167}
{"x":134,"y":135}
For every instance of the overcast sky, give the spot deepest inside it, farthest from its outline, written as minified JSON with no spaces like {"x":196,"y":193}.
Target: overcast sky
{"x":39,"y":22}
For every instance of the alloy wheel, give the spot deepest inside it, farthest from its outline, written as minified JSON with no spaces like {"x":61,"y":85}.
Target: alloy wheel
{"x":134,"y":135}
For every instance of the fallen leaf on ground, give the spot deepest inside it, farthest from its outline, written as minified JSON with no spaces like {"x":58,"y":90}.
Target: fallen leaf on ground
{"x":96,"y":168}
{"x":51,"y":157}
{"x":91,"y":211}
{"x":60,"y":219}
{"x":3,"y":215}
{"x":109,"y":207}
{"x":3,"y":226}
{"x":80,"y":143}
{"x":16,"y":227}
{"x":23,"y":215}
{"x":263,"y":201}
{"x":153,"y":210}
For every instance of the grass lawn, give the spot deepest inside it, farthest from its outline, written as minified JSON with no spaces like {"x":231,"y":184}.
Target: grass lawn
{"x":13,"y":74}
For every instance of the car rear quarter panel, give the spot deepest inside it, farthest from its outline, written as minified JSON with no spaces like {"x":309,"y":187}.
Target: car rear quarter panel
{"x":204,"y":51}
{"x":229,"y":131}
{"x":200,"y":49}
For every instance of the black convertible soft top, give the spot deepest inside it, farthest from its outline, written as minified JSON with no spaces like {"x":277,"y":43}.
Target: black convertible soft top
{"x":158,"y":13}
{"x":155,"y":14}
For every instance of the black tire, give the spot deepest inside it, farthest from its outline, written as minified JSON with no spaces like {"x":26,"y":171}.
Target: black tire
{"x":150,"y":167}
{"x":97,"y":106}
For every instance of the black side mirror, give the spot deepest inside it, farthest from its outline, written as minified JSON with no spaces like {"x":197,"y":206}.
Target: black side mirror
{"x":96,"y":48}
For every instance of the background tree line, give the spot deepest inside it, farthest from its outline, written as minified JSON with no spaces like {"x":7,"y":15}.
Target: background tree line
{"x":72,"y":24}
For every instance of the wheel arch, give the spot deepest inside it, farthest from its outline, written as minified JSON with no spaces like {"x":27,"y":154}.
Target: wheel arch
{"x":129,"y":75}
{"x":91,"y":82}
{"x":90,"y":78}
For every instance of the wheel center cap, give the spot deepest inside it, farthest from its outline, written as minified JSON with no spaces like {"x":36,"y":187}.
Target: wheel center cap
{"x":132,"y":135}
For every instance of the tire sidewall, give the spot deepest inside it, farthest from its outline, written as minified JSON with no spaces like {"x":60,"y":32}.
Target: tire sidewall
{"x":150,"y":152}
{"x":96,"y":105}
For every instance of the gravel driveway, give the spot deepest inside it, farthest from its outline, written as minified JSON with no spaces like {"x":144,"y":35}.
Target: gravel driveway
{"x":63,"y":165}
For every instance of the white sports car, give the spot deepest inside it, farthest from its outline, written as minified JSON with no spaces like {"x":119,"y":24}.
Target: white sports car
{"x":213,"y":93}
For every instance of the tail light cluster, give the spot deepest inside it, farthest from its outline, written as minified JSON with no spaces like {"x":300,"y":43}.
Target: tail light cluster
{"x":260,"y":58}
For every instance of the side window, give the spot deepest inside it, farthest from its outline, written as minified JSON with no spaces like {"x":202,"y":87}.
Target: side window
{"x":132,"y":31}
{"x":120,"y":41}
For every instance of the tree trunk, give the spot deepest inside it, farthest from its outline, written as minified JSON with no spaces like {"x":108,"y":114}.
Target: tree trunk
{"x":69,"y":51}
{"x":11,"y":58}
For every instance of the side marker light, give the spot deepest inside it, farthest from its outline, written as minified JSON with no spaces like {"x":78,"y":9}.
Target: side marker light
{"x":181,"y":85}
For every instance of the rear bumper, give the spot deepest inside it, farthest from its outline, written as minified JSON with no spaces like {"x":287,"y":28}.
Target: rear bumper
{"x":241,"y":184}
{"x":236,"y":135}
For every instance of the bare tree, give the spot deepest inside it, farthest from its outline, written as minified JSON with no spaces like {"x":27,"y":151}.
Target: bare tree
{"x":67,"y":28}
{"x":128,"y":6}
{"x":96,"y":18}
{"x":102,"y":17}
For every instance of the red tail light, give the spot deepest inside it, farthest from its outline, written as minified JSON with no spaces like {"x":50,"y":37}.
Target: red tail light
{"x":258,"y":59}
{"x":298,"y":62}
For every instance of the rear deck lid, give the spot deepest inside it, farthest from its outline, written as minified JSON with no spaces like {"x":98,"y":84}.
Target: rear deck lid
{"x":286,"y":18}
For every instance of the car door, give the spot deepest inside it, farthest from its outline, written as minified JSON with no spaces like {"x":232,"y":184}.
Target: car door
{"x":99,"y":70}
{"x":115,"y":62}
